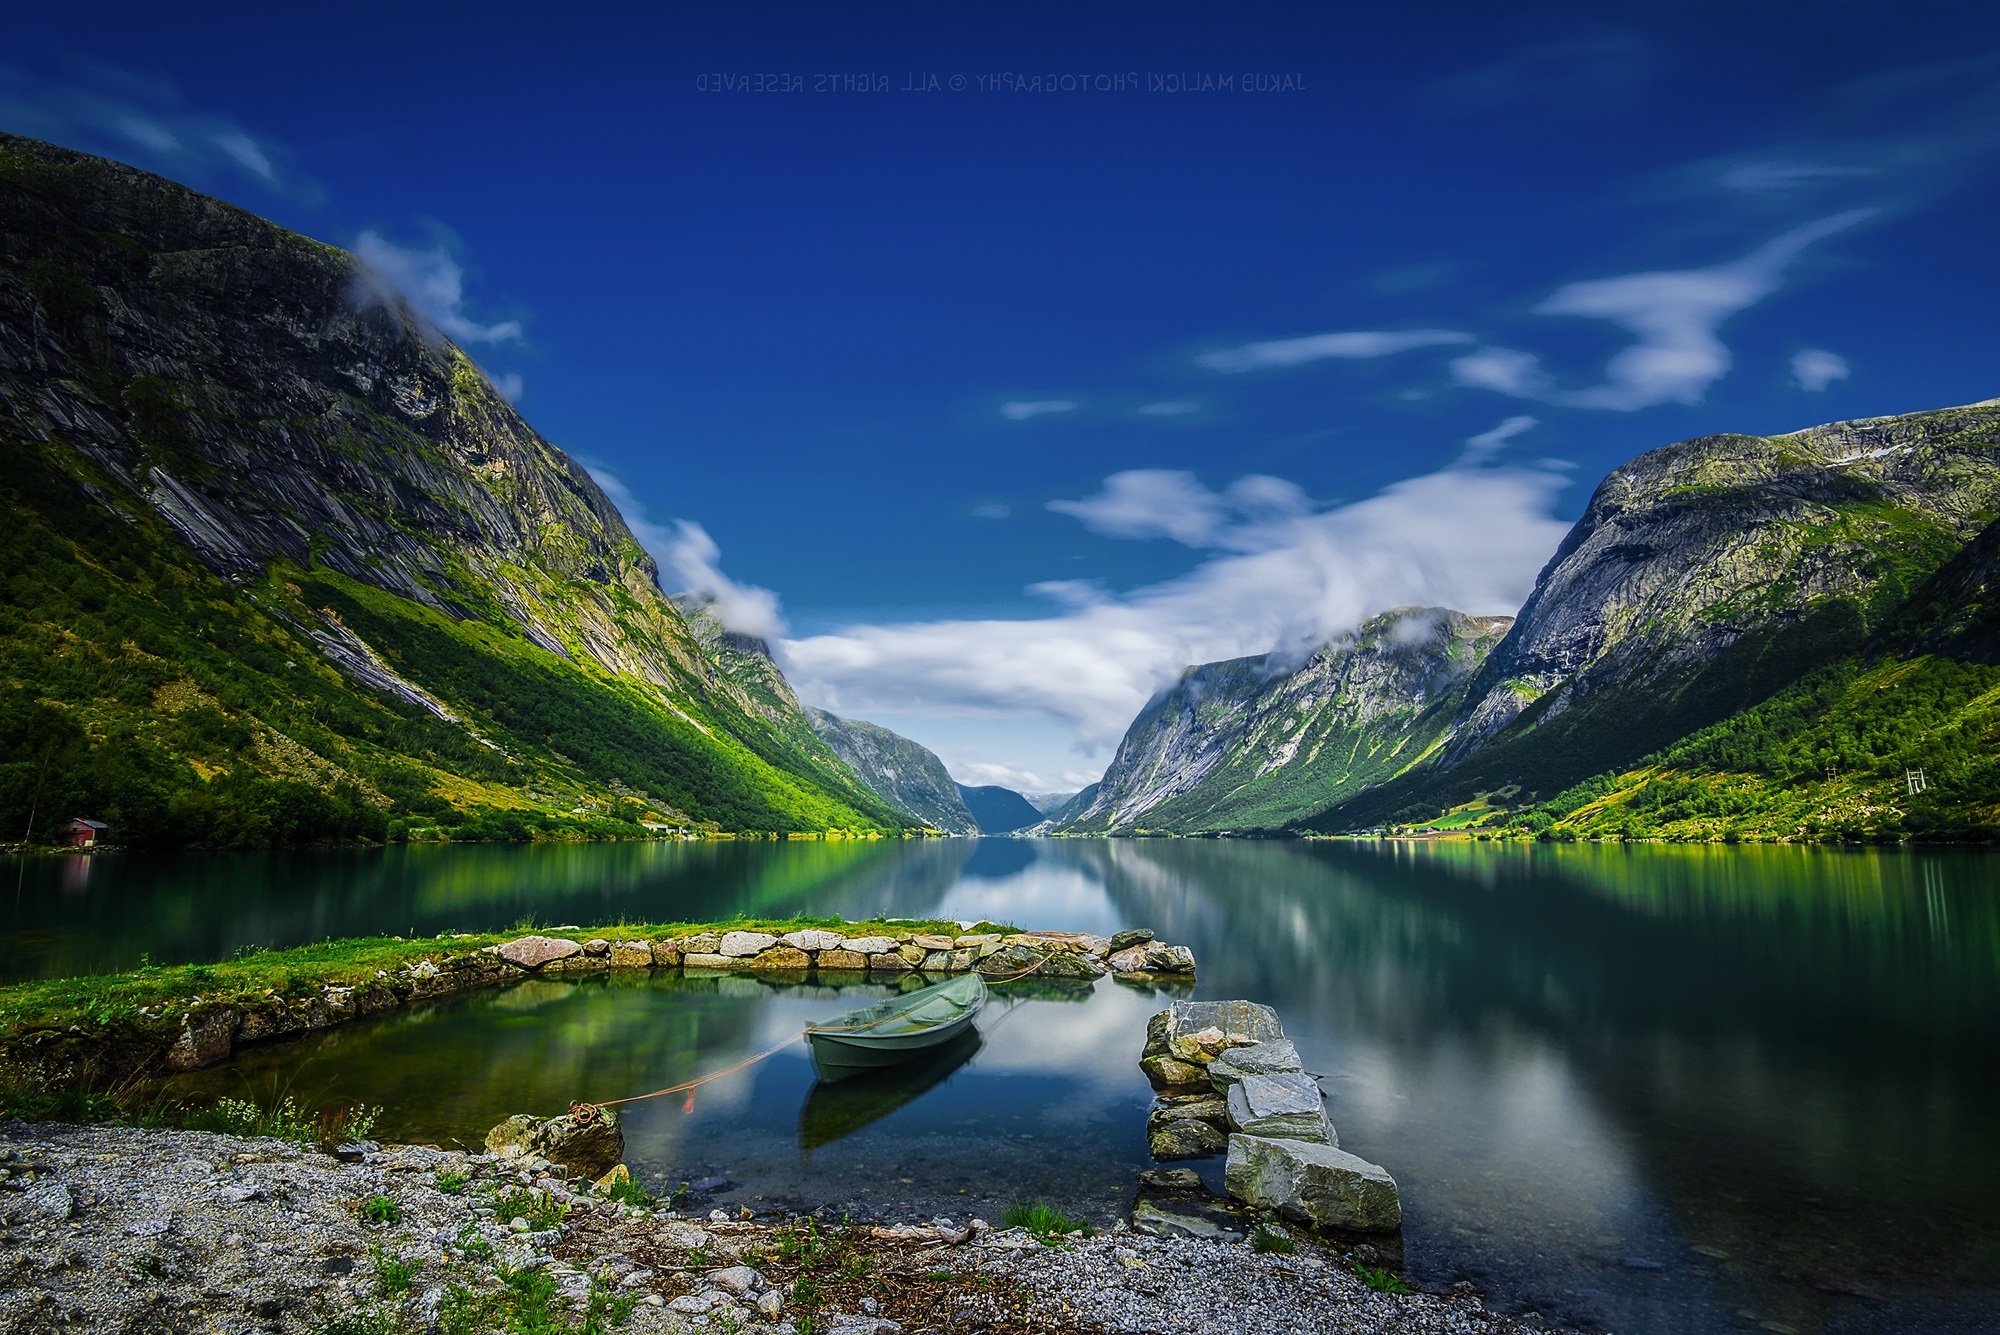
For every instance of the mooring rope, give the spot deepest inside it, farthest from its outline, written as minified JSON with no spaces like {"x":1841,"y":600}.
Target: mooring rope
{"x":586,"y":1112}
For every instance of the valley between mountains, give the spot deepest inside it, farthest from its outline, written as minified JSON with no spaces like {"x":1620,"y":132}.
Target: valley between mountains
{"x":283,"y":567}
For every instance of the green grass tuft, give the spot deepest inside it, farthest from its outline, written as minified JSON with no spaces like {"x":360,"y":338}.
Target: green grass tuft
{"x":1043,"y":1220}
{"x":1265,"y":1238}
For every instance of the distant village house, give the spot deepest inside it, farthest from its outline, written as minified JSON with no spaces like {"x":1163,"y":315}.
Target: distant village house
{"x":83,"y":833}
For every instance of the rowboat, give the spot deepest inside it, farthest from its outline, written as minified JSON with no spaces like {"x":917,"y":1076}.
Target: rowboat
{"x":894,"y":1031}
{"x":840,"y":1109}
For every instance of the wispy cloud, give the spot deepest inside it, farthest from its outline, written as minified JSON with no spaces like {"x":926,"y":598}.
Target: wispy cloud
{"x":1592,"y":71}
{"x":1482,"y":447}
{"x":434,"y":282}
{"x":1816,"y":368}
{"x":1166,"y":503}
{"x":1673,"y":317}
{"x":992,"y":510}
{"x":1284,"y":575}
{"x":102,"y":109}
{"x":1504,"y":370}
{"x":1020,"y":410}
{"x":1352,"y":344}
{"x":690,"y":562}
{"x":1170,"y":408}
{"x":1761,"y":176}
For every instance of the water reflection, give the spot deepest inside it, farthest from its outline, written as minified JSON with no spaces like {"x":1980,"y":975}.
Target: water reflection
{"x":840,"y":1108}
{"x":1642,"y":1087}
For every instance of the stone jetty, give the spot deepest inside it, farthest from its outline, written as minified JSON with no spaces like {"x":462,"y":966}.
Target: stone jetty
{"x":200,"y":1031}
{"x":1228,"y":1080}
{"x":1132,"y":954}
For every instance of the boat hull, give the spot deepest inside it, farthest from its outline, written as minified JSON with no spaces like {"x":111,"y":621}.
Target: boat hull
{"x":896,"y":1030}
{"x":836,"y":1056}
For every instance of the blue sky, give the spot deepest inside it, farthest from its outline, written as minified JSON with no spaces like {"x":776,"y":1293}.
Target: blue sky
{"x":1005,"y":359}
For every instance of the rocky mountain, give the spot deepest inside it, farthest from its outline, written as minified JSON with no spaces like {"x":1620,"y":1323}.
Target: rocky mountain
{"x":1255,"y":742}
{"x":899,"y":771}
{"x":1703,"y":578}
{"x":1049,"y":803}
{"x":283,"y":564}
{"x":1899,"y":741}
{"x":999,"y":810}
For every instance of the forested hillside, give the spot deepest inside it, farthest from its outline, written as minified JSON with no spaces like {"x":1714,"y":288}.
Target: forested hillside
{"x":281,"y":565}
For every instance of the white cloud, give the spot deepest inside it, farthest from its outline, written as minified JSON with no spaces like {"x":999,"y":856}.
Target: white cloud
{"x":1171,"y":408}
{"x":980,"y":773}
{"x":1762,"y":176}
{"x":433,"y":281}
{"x":1020,"y":410}
{"x":102,"y":109}
{"x":1674,"y":317}
{"x":689,"y":563}
{"x":992,"y":510}
{"x":1816,"y":368}
{"x":245,"y":150}
{"x":1287,"y":578}
{"x":148,"y":134}
{"x":1150,"y":503}
{"x":509,"y":384}
{"x":1167,"y":503}
{"x":1480,"y":448}
{"x":1504,"y":370}
{"x":1350,"y":345}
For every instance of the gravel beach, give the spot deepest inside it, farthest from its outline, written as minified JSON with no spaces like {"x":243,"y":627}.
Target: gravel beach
{"x":119,"y":1229}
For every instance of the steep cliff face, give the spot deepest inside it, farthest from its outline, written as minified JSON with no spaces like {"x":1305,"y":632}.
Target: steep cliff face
{"x":1957,"y":612}
{"x":899,"y":771}
{"x":1899,"y":741}
{"x":1702,"y":578}
{"x":1253,"y":743}
{"x":339,"y":469}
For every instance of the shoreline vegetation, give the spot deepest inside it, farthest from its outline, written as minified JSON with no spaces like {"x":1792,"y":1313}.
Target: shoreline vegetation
{"x":94,"y":1047}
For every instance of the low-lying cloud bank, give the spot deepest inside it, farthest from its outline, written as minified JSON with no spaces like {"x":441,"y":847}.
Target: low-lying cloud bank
{"x":1283,"y":575}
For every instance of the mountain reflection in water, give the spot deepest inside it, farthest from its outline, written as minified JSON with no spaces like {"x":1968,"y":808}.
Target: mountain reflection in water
{"x":1642,"y":1087}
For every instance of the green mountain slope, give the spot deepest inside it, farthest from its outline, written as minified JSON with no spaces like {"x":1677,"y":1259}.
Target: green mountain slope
{"x":902,"y":773}
{"x":1253,"y":743}
{"x":1834,"y":755}
{"x":280,"y":565}
{"x":1704,"y":578}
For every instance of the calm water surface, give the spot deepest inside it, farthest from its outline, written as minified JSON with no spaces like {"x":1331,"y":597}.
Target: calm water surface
{"x":1647,"y":1088}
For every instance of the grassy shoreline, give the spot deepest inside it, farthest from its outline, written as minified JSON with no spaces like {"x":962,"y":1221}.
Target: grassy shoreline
{"x":252,"y":977}
{"x":92,"y":1047}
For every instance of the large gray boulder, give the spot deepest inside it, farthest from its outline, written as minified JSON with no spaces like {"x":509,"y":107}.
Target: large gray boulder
{"x":1197,"y":1032}
{"x":1190,"y":1128}
{"x":1274,"y":1057}
{"x":743,"y":945}
{"x":1280,"y":1107}
{"x":532,"y":952}
{"x":1316,"y":1184}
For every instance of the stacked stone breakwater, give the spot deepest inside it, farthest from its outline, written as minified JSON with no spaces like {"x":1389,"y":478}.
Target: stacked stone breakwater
{"x":188,"y":1034}
{"x":1228,"y":1080}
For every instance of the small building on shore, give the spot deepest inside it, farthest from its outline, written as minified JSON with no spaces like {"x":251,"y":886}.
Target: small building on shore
{"x":81,"y":833}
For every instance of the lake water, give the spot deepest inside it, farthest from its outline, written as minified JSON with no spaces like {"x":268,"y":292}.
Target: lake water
{"x":1642,"y":1088}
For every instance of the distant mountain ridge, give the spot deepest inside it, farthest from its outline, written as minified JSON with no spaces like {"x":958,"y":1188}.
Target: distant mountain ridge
{"x":999,"y":810}
{"x":899,"y":771}
{"x":1253,"y":742}
{"x":1704,"y":577}
{"x":289,"y":567}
